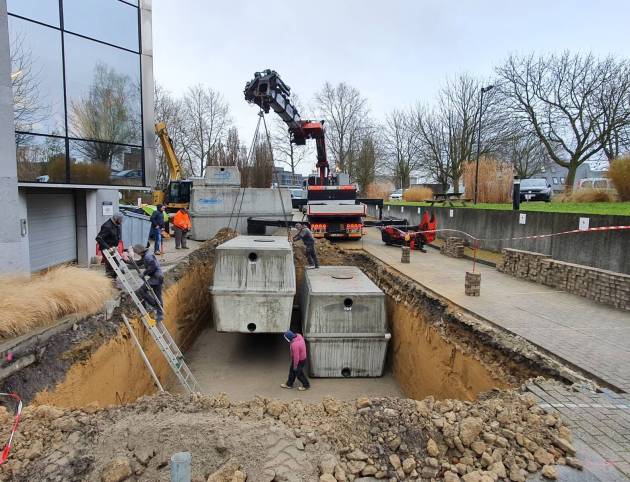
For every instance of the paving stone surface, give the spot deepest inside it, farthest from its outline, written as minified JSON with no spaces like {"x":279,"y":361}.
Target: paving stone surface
{"x":592,"y":337}
{"x":601,"y":420}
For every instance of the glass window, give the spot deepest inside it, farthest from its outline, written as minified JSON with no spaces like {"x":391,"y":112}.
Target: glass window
{"x":110,"y":21}
{"x":562,"y":180}
{"x":105,"y":163}
{"x":555,"y":180}
{"x":103,"y":92}
{"x":45,"y":11}
{"x":40,"y":158}
{"x":36,"y":77}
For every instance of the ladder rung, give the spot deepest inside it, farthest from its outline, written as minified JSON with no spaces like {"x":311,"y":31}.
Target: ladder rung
{"x":157,"y":330}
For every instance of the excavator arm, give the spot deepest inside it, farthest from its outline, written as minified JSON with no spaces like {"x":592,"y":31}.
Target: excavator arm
{"x":174,"y":168}
{"x":268,"y":91}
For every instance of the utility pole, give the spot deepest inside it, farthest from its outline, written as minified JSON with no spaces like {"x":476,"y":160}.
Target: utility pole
{"x":483,"y":91}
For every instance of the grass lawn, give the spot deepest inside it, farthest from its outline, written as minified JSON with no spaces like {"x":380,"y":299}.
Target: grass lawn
{"x":618,"y":208}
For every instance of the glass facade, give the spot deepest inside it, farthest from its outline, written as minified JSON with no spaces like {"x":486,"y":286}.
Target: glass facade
{"x":77,"y":91}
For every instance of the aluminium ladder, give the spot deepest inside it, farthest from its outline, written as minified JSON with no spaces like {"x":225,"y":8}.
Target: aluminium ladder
{"x":157,"y":329}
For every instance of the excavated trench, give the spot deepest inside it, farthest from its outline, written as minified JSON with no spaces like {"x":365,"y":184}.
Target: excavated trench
{"x":434,"y":349}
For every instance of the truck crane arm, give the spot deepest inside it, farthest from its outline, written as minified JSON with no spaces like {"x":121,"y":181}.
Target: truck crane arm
{"x":174,"y":167}
{"x":268,"y":91}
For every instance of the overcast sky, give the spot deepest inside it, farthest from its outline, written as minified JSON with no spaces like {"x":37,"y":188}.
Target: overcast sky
{"x":395,"y":52}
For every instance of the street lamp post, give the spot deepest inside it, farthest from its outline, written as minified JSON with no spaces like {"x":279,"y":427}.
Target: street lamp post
{"x":483,"y":91}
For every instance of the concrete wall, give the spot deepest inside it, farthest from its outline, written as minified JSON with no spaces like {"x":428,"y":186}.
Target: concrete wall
{"x":13,"y":240}
{"x":605,"y":250}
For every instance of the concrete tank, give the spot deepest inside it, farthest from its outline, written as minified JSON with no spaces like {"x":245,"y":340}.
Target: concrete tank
{"x":214,"y":207}
{"x":344,"y":323}
{"x":219,"y":176}
{"x":254,"y":285}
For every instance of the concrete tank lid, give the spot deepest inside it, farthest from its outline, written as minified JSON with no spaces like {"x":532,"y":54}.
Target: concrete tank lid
{"x":257,"y":243}
{"x":340,"y":280}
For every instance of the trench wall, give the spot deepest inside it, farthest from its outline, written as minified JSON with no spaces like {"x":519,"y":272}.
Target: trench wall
{"x":579,"y":248}
{"x":425,"y":363}
{"x":115,"y":372}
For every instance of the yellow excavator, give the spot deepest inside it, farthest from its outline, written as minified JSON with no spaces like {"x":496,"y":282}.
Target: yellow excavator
{"x":177,"y":194}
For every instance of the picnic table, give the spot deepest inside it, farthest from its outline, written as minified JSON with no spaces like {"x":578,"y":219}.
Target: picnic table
{"x":448,"y":198}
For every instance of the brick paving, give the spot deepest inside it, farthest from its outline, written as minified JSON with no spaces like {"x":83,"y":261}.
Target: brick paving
{"x":591,"y":337}
{"x":599,"y":419}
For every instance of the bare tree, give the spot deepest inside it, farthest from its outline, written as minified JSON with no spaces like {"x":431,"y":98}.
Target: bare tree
{"x":106,"y":113}
{"x":459,"y":107}
{"x":345,"y":111}
{"x":525,"y":152}
{"x":614,"y":100}
{"x":169,"y":110}
{"x":433,"y":139}
{"x":206,"y":121}
{"x":368,"y":160}
{"x":285,"y":152}
{"x":565,"y":101}
{"x":402,"y":147}
{"x":28,"y":106}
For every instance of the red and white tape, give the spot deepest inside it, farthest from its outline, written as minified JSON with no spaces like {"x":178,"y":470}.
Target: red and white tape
{"x":536,"y":236}
{"x":16,"y":421}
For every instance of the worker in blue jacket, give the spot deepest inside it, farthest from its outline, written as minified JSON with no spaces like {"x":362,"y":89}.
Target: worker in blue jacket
{"x":154,"y":279}
{"x":157,"y":225}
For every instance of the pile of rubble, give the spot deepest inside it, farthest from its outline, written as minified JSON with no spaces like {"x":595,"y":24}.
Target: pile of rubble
{"x":504,"y":436}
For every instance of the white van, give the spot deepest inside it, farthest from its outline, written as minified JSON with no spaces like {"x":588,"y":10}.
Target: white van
{"x":596,"y":183}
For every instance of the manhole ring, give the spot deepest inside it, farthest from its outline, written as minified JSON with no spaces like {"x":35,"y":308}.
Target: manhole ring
{"x":342,"y":276}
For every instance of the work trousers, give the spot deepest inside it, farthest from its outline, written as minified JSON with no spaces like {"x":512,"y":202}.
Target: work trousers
{"x":145,"y":294}
{"x":180,"y":237}
{"x":299,"y":373}
{"x":311,"y":255}
{"x":157,"y":235}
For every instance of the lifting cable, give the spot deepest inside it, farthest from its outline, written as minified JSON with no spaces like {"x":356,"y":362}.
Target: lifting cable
{"x":241,"y":191}
{"x":274,"y":174}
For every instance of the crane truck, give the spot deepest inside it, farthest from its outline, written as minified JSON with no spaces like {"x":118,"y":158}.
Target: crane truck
{"x":331,"y":207}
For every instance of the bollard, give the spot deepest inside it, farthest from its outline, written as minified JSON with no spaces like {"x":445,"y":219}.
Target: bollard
{"x":181,"y":467}
{"x":405,"y":256}
{"x":472,"y":286}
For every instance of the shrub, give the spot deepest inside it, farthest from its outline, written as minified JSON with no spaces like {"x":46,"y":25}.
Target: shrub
{"x":32,"y":302}
{"x":495,"y":180}
{"x":378,"y":190}
{"x":619,"y":173}
{"x":418,"y":194}
{"x":585,"y":195}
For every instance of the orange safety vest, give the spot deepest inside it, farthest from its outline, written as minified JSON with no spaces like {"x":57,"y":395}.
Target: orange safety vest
{"x":181,"y":220}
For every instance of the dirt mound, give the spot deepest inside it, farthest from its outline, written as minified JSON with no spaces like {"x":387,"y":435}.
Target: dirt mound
{"x":504,"y":435}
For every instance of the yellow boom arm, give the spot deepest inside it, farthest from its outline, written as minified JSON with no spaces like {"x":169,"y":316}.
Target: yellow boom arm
{"x":174,"y":168}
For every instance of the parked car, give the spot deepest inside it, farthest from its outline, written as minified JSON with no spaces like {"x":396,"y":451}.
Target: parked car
{"x":535,"y":190}
{"x":596,"y":183}
{"x":396,"y":195}
{"x":128,"y":174}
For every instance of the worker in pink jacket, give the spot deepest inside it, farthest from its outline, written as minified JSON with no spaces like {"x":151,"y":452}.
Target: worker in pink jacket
{"x":298,"y":361}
